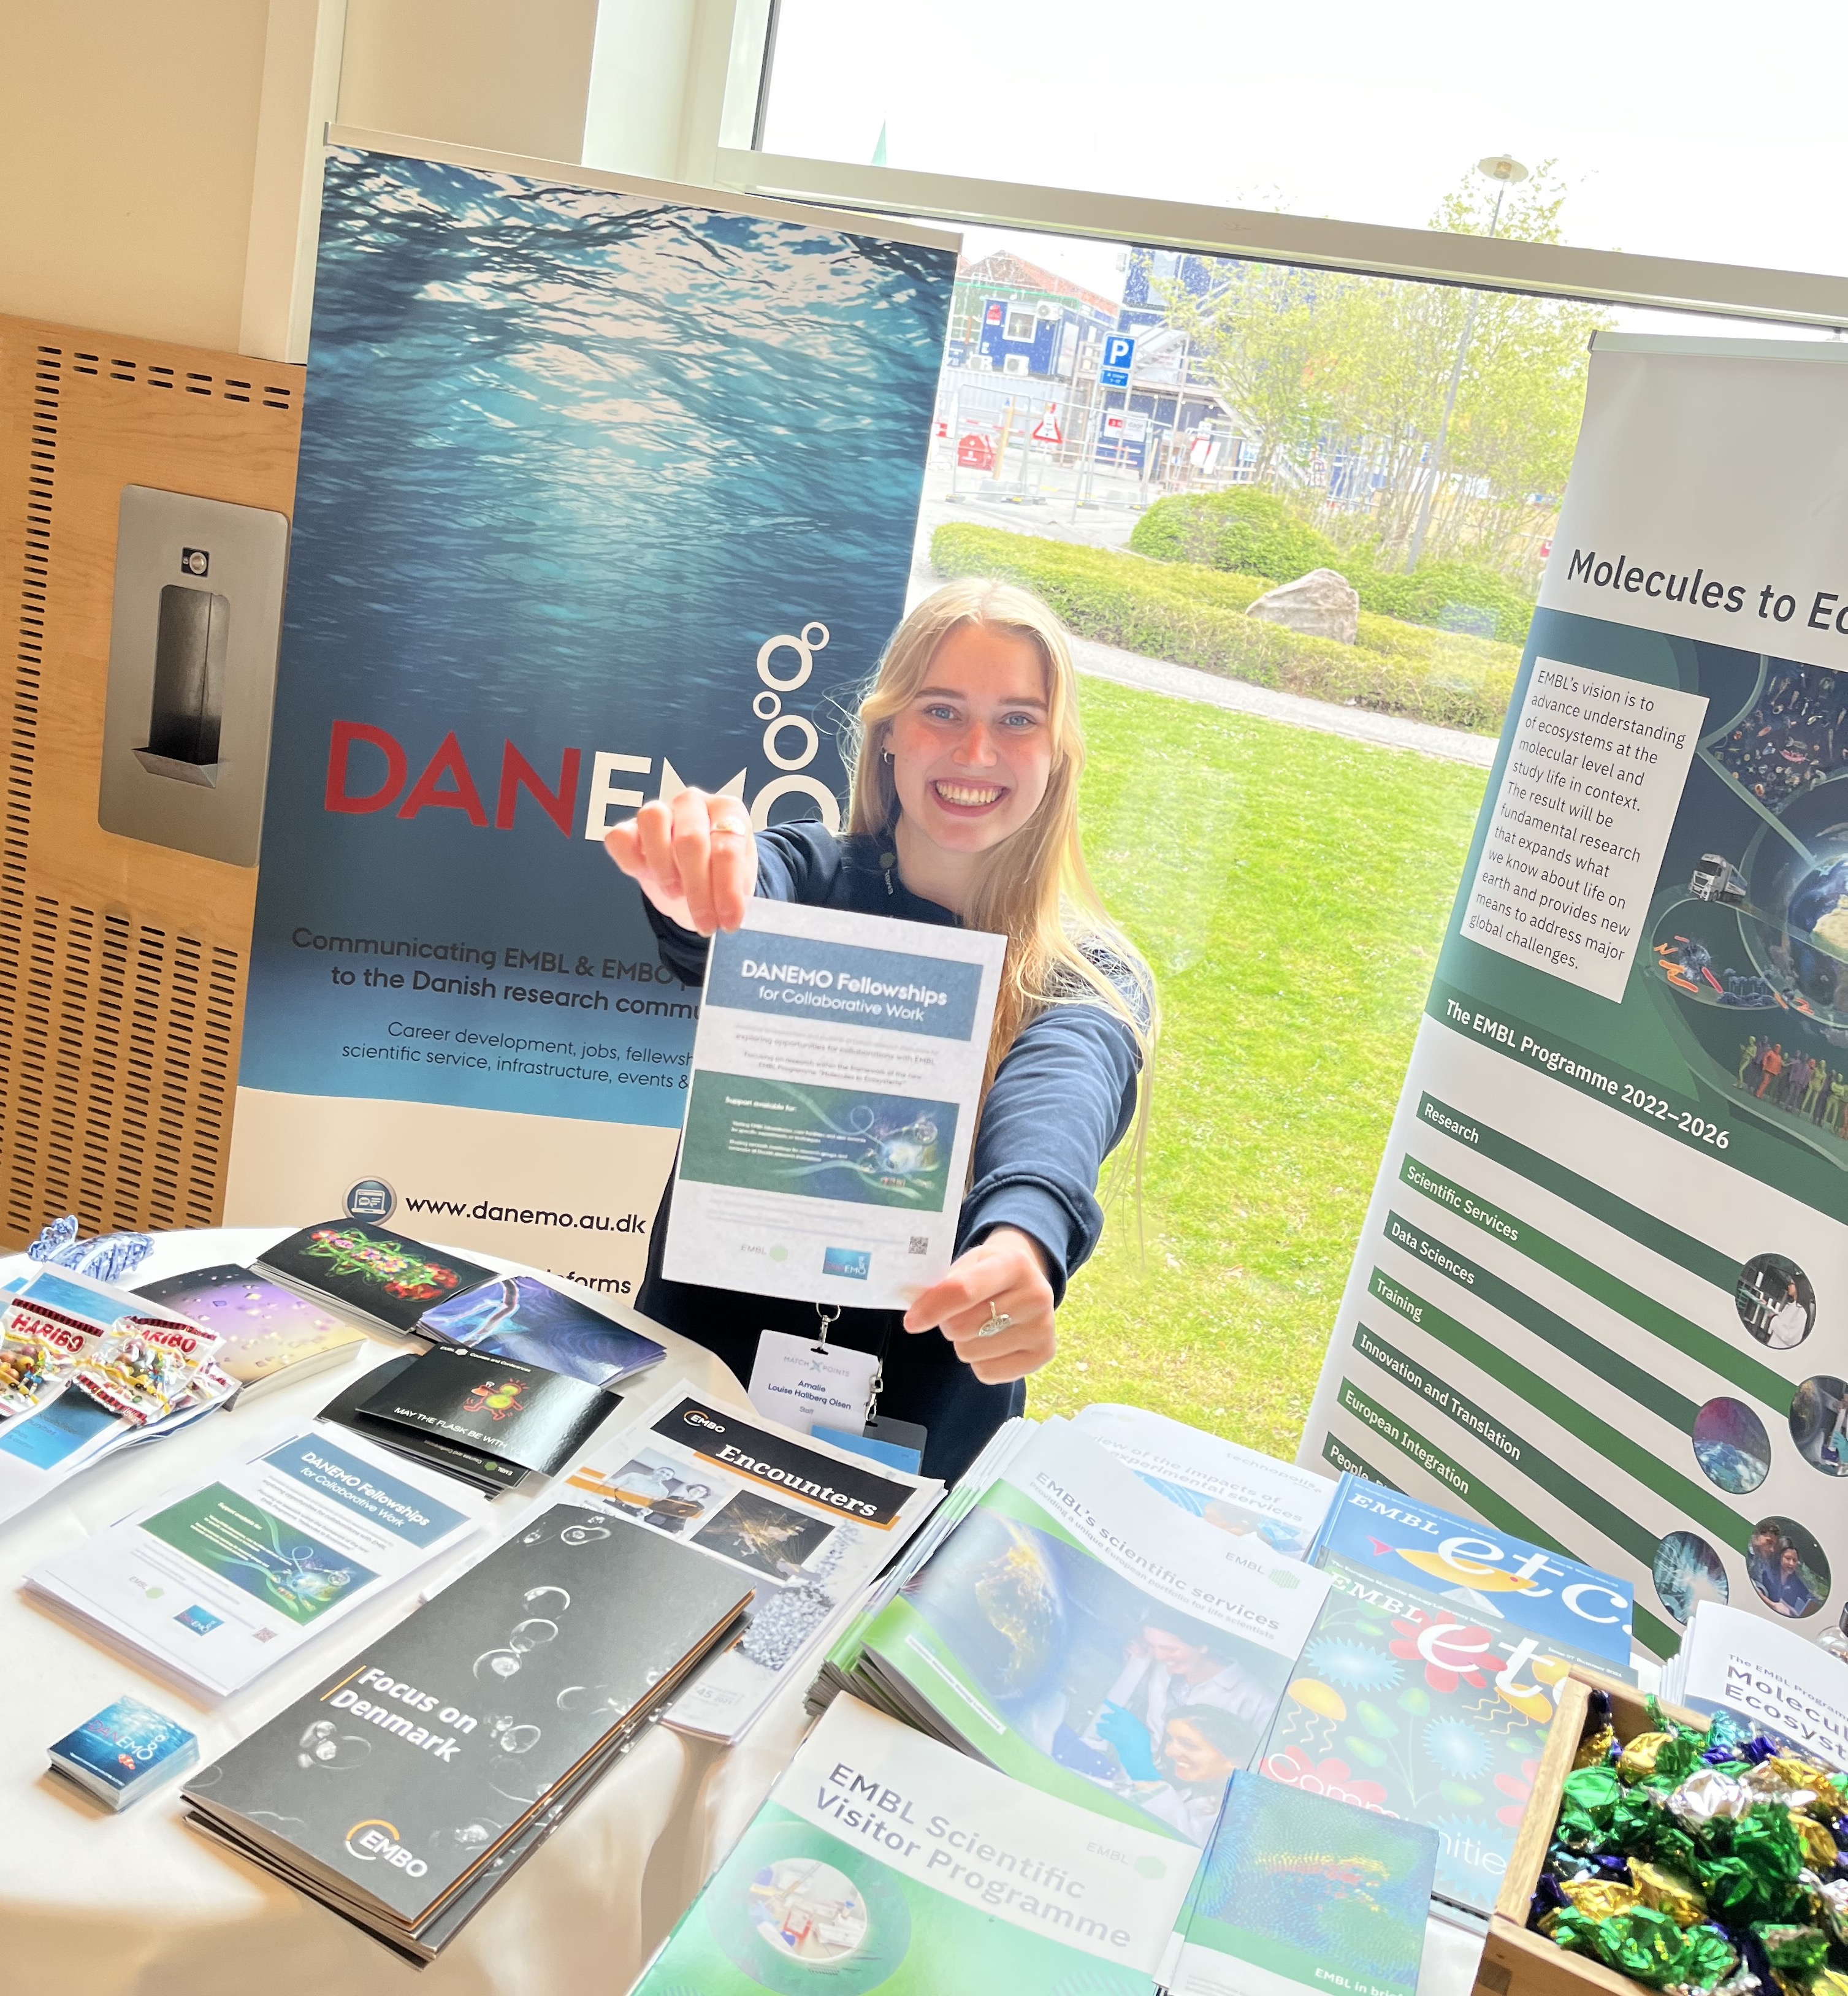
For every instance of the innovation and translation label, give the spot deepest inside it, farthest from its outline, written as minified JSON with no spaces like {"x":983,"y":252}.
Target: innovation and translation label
{"x":1581,"y":820}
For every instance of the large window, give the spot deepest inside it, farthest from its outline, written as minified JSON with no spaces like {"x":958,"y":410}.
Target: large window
{"x":1699,"y":131}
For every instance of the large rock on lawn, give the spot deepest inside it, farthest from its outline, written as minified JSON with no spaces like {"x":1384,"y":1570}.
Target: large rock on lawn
{"x":1319,"y":604}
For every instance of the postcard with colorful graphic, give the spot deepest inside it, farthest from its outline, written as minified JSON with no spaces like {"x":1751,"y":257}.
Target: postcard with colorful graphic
{"x":519,"y":1316}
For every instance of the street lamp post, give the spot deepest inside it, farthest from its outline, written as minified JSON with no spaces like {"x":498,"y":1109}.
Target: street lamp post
{"x":1506,"y":172}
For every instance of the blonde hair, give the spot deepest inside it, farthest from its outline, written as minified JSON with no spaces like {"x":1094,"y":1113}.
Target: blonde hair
{"x":1033,"y":887}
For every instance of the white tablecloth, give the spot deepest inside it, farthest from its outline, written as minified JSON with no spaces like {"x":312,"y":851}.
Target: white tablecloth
{"x":92,"y":1904}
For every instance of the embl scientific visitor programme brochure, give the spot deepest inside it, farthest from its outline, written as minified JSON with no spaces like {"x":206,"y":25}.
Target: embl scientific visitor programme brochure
{"x":1079,"y":1633}
{"x":806,"y":1525}
{"x":836,"y":1075}
{"x":882,"y":1860}
{"x":217,"y":1581}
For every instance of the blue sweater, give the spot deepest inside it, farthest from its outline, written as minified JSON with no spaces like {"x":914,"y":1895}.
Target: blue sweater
{"x":1061,"y":1101}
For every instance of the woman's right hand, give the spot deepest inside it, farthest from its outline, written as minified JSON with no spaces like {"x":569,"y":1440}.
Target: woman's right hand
{"x":695,"y":858}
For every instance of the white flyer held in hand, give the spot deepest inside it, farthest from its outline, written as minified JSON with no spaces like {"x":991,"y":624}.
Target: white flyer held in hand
{"x":836,"y":1077}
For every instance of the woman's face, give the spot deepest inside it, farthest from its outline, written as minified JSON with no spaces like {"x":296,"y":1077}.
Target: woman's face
{"x":972,"y":752}
{"x":1788,"y":1561}
{"x":1194,"y":1757}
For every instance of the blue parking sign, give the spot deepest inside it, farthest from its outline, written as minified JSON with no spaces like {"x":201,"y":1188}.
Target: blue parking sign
{"x":1119,"y":357}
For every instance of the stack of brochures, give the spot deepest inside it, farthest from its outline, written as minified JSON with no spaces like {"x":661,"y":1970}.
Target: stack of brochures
{"x":1427,"y":1684}
{"x":1080,"y":1632}
{"x":1295,"y":1889}
{"x":883,"y":1860}
{"x":119,"y":1754}
{"x":492,"y":1421}
{"x":267,"y":1333}
{"x":807,"y":1527}
{"x":221,"y":1578}
{"x":402,"y":1286}
{"x":1235,"y":1488}
{"x":87,"y":1371}
{"x":1776,"y":1680}
{"x":406,"y":1788}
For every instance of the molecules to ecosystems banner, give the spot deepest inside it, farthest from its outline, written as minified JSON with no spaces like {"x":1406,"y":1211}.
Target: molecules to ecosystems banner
{"x":601,"y":493}
{"x":1600,"y":1300}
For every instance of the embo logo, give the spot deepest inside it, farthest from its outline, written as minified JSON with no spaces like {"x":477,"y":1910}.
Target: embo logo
{"x":699,"y":1420}
{"x":375,"y":1842}
{"x":371,"y":1198}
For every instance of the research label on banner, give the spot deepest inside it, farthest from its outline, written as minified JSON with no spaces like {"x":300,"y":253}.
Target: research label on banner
{"x":1587,"y":801}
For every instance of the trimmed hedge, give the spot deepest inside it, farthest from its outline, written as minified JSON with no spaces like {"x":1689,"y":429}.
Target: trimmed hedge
{"x":1256,"y":533}
{"x":1194,"y":616}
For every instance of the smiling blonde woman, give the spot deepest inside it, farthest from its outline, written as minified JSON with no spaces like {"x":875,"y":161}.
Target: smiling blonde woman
{"x":965,"y":759}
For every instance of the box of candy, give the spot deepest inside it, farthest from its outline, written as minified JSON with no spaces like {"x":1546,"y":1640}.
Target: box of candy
{"x":1664,"y":1849}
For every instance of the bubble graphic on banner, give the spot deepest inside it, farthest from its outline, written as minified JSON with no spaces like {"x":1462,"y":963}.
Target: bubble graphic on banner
{"x":1687,"y":1572}
{"x":1787,"y":1568}
{"x":1731,"y":1446}
{"x":781,"y":676}
{"x":1818,"y":1423}
{"x":1776,"y":1301}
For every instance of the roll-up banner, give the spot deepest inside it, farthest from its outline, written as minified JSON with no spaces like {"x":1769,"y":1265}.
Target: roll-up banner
{"x":605,"y":490}
{"x":1600,"y":1300}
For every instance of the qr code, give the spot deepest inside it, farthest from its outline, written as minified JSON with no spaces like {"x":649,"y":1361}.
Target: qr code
{"x":921,"y":1244}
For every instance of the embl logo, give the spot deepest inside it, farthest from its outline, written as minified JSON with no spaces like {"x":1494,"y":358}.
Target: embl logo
{"x":371,"y":1198}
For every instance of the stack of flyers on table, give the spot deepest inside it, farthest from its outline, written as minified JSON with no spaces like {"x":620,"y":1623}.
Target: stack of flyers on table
{"x":1077,"y":1631}
{"x":410,"y":1783}
{"x":1779,"y":1681}
{"x":1428,"y":1684}
{"x":843,"y":1653}
{"x":1372,"y":1533}
{"x":87,"y":1371}
{"x":1235,"y":1489}
{"x":809,"y":1525}
{"x":221,"y":1578}
{"x":398,"y":1285}
{"x":881,"y":1860}
{"x":1296,"y":1890}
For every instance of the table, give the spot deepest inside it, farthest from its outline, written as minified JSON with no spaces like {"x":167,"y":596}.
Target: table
{"x":138,"y":1905}
{"x":92,"y":1904}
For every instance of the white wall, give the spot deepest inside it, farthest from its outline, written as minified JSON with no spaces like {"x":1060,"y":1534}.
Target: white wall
{"x":128,"y":142}
{"x":130,"y":138}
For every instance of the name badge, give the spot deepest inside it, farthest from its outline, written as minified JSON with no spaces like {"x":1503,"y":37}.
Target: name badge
{"x":799,"y":1381}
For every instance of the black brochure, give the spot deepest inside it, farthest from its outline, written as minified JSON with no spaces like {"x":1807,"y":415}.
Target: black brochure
{"x":520,"y":1415}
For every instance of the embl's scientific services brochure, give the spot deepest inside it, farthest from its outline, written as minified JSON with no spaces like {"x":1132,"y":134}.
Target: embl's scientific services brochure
{"x":219,"y":1580}
{"x":1079,"y":1632}
{"x":882,"y":1860}
{"x":1235,"y":1489}
{"x":806,"y":1525}
{"x":836,"y":1073}
{"x":1296,"y":1889}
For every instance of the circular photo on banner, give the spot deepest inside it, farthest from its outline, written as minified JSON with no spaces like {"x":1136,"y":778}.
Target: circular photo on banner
{"x":1776,"y":1301}
{"x":1787,"y":1568}
{"x":1731,"y":1446}
{"x":1818,"y":1423}
{"x":1687,"y":1572}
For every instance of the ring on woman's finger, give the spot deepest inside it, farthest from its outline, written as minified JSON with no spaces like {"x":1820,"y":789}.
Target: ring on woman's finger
{"x":997,"y":1322}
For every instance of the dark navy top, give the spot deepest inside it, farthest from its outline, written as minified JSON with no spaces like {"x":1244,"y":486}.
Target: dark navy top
{"x":1059,"y":1103}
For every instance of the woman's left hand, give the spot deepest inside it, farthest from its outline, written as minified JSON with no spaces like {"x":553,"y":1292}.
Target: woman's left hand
{"x":1007,"y":1274}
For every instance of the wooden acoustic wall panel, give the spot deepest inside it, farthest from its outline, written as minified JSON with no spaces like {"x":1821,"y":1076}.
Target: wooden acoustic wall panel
{"x":123,"y":964}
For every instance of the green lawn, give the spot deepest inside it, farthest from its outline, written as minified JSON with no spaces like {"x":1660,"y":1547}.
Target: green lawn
{"x":1290,"y":890}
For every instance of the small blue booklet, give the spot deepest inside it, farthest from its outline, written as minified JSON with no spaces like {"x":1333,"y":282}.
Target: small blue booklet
{"x":126,"y":1749}
{"x":1296,"y":1888}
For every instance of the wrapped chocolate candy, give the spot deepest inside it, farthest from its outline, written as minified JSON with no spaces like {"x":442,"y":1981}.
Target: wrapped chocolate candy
{"x":1707,"y":1796}
{"x":1595,"y":1748}
{"x":1669,"y":1891}
{"x":1794,"y":1951}
{"x":1645,"y":1945}
{"x":1819,"y":1850}
{"x":1598,"y":1899}
{"x":1639,"y":1755}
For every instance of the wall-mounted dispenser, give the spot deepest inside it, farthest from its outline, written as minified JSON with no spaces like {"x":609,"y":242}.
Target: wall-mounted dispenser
{"x":192,"y":672}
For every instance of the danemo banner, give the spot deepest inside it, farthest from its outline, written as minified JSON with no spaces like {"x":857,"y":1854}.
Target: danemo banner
{"x":1600,"y":1300}
{"x":603,"y":491}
